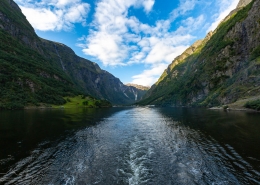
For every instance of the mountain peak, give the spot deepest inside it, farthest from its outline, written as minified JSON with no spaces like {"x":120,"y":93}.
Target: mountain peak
{"x":243,"y":3}
{"x":141,"y":87}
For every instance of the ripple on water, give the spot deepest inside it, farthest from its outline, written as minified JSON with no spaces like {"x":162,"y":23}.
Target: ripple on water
{"x":136,"y":168}
{"x":136,"y":146}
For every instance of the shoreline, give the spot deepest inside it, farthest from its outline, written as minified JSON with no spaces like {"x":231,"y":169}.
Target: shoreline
{"x":233,"y":109}
{"x":61,"y":107}
{"x":238,"y":105}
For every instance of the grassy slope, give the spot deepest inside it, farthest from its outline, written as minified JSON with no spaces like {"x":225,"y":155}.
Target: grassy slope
{"x":31,"y":74}
{"x":82,"y":102}
{"x":198,"y":68}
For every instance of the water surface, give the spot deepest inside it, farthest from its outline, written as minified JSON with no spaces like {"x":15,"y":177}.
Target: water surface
{"x":129,"y":146}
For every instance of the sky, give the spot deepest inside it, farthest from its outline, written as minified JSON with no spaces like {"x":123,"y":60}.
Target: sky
{"x":135,"y":40}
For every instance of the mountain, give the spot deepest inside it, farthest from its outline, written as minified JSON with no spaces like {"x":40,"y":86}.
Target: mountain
{"x":243,"y":3}
{"x":34,"y":70}
{"x":220,"y":69}
{"x":137,"y":90}
{"x":141,"y":87}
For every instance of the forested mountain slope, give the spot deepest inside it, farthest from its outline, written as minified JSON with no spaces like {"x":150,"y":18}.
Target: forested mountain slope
{"x":34,"y":70}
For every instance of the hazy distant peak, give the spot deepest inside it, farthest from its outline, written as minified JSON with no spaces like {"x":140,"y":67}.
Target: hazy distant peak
{"x":141,"y":87}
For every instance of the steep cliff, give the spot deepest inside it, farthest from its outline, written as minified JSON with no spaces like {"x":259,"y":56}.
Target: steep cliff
{"x":88,"y":76}
{"x":140,"y":87}
{"x":221,"y":69}
{"x":34,"y":70}
{"x":137,"y":90}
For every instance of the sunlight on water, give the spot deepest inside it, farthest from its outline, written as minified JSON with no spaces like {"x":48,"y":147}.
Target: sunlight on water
{"x":137,"y":146}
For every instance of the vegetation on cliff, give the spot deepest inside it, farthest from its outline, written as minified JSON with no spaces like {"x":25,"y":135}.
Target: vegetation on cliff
{"x":82,"y":101}
{"x":23,"y":77}
{"x":35,"y":71}
{"x":253,"y":104}
{"x":218,"y":70}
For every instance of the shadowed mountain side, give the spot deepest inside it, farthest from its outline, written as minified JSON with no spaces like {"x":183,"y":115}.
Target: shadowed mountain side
{"x":34,"y":70}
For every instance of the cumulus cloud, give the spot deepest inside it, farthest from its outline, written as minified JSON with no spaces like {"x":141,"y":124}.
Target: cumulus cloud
{"x":108,"y":39}
{"x":54,"y":15}
{"x":149,"y":76}
{"x":225,"y":7}
{"x":119,"y":39}
{"x":159,"y":50}
{"x":148,"y":5}
{"x":166,"y":48}
{"x":115,"y":38}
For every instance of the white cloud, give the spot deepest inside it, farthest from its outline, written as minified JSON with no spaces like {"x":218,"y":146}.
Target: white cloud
{"x":110,"y":38}
{"x":225,"y":7}
{"x":156,"y":58}
{"x":114,"y":32}
{"x":149,"y":76}
{"x":160,"y":52}
{"x":184,"y":7}
{"x":148,"y":5}
{"x":49,"y":20}
{"x":118,"y":39}
{"x":54,"y":15}
{"x":63,"y":3}
{"x":106,"y":47}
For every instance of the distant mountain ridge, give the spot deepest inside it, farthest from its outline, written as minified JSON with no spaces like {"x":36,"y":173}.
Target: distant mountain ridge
{"x":221,"y":69}
{"x":141,"y":87}
{"x":34,"y":70}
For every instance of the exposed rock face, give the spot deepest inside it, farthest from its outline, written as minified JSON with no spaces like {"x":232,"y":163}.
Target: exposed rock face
{"x":221,"y":69}
{"x":170,"y":72}
{"x":188,"y":52}
{"x":62,"y":63}
{"x":90,"y":77}
{"x":141,"y":87}
{"x":243,"y":3}
{"x":138,"y":91}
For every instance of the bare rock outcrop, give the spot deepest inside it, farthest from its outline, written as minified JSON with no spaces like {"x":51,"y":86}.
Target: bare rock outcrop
{"x":243,"y":3}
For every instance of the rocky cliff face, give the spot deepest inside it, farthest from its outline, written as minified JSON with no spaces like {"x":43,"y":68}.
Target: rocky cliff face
{"x":44,"y":71}
{"x":221,"y":69}
{"x":89,"y":76}
{"x":141,"y":87}
{"x":137,"y":90}
{"x":243,"y":3}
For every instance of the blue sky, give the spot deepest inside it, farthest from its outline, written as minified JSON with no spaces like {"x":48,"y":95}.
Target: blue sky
{"x":132,"y":39}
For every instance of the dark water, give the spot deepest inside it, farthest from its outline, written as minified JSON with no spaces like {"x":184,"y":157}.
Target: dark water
{"x":129,"y":146}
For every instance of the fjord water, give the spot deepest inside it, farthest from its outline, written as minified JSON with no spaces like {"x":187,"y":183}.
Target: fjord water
{"x":129,"y":146}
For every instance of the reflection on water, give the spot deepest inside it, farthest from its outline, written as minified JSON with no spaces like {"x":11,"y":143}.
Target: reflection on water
{"x":129,"y":146}
{"x":21,"y":131}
